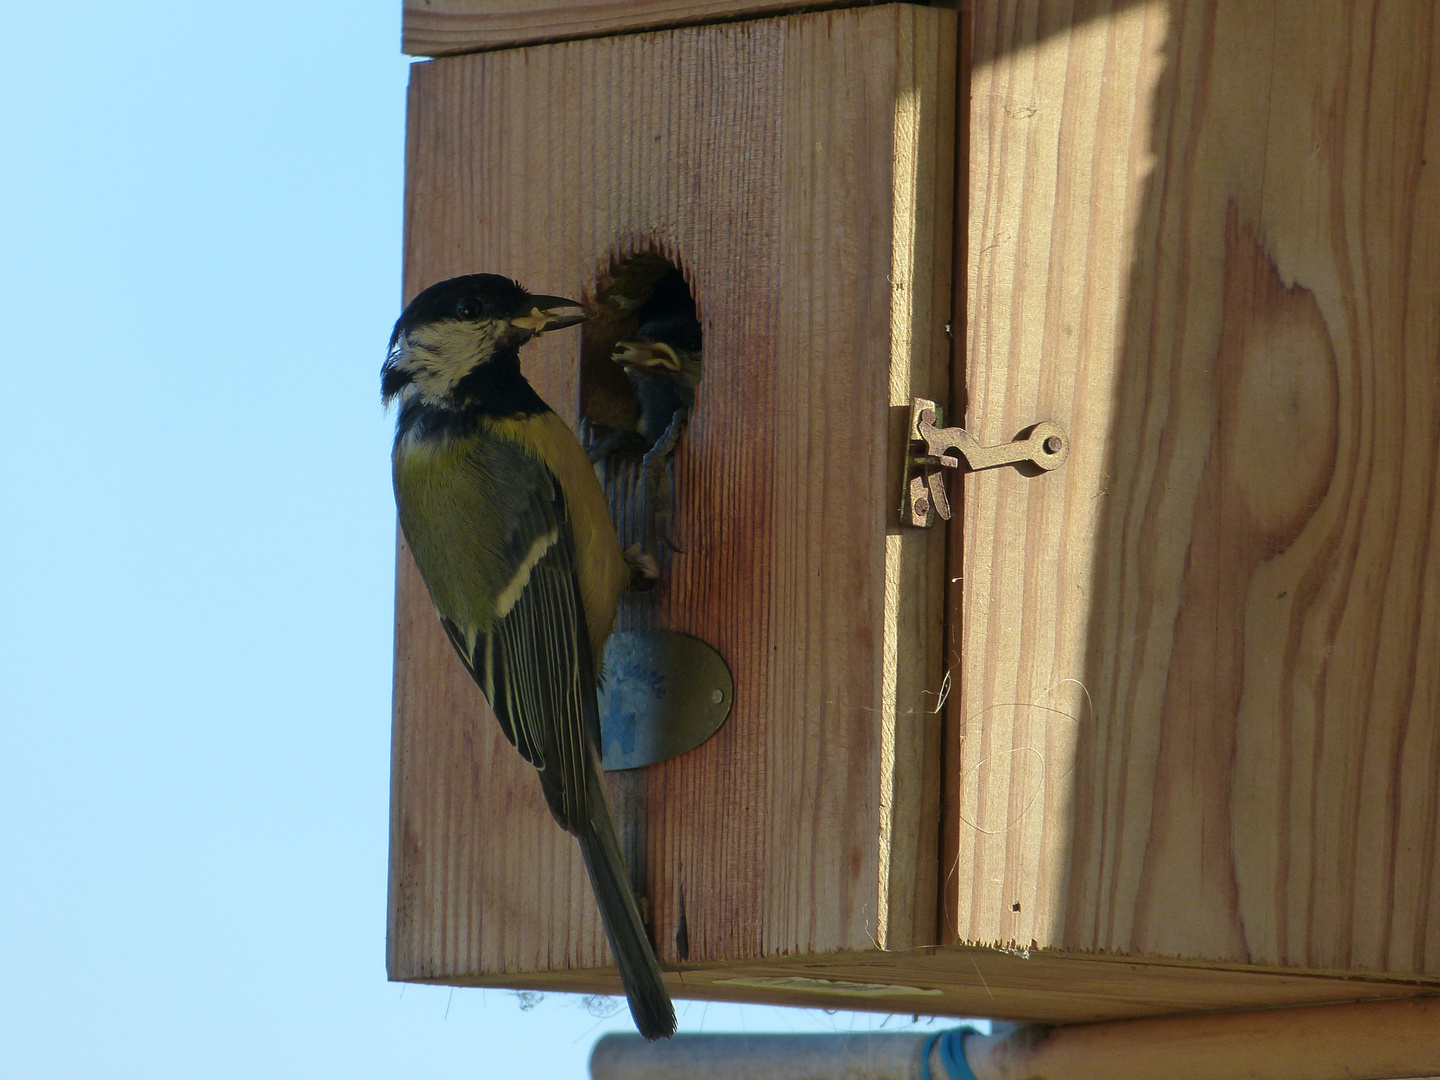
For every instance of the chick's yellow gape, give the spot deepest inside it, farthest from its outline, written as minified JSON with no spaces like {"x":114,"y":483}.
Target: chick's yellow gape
{"x":511,"y":532}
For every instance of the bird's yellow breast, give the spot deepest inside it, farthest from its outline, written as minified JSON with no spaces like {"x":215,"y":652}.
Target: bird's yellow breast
{"x":453,"y":503}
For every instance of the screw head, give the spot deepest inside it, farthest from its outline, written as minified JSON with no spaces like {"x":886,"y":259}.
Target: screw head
{"x":922,"y":506}
{"x":1053,"y":444}
{"x":717,"y":696}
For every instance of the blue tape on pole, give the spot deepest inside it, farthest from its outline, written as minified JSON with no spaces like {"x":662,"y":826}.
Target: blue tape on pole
{"x":952,"y":1054}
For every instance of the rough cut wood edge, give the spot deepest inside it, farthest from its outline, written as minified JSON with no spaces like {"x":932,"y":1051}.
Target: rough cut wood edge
{"x":1043,"y":987}
{"x":447,"y":27}
{"x":1202,"y":698}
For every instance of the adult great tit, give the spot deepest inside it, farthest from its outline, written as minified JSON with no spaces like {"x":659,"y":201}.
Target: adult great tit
{"x":511,"y":531}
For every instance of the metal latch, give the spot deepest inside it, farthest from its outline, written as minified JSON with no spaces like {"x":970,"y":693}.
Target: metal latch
{"x":931,"y":448}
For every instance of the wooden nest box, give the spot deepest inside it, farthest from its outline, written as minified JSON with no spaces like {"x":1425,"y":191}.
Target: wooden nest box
{"x":1156,"y":731}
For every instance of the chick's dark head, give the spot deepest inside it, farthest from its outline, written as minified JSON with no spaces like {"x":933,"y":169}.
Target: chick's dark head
{"x":454,"y":327}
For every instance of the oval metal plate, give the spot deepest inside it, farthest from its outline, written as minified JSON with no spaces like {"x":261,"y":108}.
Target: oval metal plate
{"x":661,"y":693}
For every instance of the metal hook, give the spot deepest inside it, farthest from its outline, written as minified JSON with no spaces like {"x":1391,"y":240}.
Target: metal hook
{"x":930,"y":448}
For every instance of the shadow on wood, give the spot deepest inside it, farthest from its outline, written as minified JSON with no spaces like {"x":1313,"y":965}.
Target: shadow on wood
{"x":1199,"y":712}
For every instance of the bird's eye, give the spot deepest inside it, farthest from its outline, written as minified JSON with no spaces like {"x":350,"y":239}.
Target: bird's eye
{"x":468,"y":308}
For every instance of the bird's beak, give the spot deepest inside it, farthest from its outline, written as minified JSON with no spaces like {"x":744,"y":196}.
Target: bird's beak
{"x":647,"y":354}
{"x":539,"y":317}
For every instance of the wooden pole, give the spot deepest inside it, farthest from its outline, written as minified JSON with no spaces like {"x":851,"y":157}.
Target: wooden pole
{"x":1376,"y":1040}
{"x":862,"y":1055}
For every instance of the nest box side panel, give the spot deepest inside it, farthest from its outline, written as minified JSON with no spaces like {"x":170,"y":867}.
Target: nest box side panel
{"x":1201,"y":712}
{"x":774,"y":162}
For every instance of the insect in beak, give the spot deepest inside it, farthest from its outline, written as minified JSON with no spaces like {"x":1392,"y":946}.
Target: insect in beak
{"x":541,"y":319}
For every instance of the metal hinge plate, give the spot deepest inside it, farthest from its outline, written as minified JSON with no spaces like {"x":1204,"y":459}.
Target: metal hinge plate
{"x":661,"y":693}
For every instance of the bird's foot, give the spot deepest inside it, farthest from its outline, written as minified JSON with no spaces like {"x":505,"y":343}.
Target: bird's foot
{"x":623,"y":441}
{"x":644,"y":568}
{"x":659,"y":487}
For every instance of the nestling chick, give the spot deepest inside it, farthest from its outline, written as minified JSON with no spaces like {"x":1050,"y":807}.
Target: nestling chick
{"x":511,"y":532}
{"x":662,"y":361}
{"x":663,"y":364}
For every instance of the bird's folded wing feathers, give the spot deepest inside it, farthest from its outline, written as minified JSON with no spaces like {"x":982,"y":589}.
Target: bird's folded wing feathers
{"x":535,"y":665}
{"x":490,"y":530}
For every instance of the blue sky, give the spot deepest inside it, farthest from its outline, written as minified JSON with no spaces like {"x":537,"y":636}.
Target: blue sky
{"x":200,"y":214}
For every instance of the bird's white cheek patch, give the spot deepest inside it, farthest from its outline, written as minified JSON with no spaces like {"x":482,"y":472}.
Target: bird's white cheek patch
{"x":510,"y":595}
{"x":439,"y":356}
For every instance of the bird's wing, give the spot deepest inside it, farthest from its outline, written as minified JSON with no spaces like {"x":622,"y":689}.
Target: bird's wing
{"x":538,"y":673}
{"x":490,"y":529}
{"x":535,"y":663}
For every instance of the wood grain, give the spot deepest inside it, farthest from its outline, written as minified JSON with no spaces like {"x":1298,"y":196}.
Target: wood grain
{"x":958,"y":980}
{"x":796,"y":169}
{"x":1200,"y":711}
{"x":1060,"y":105}
{"x":446,"y":27}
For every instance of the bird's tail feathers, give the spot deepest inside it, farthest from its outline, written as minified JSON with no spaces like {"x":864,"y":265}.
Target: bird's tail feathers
{"x":650,"y":1004}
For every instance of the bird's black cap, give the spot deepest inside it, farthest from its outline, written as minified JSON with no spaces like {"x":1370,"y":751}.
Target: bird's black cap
{"x":492,"y":296}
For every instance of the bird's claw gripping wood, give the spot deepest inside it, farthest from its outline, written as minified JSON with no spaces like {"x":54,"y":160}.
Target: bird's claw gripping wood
{"x":617,"y":442}
{"x":930,"y":448}
{"x":659,"y":486}
{"x":644,"y":568}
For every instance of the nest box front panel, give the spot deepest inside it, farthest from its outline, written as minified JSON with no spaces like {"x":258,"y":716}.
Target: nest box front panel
{"x":798,"y":172}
